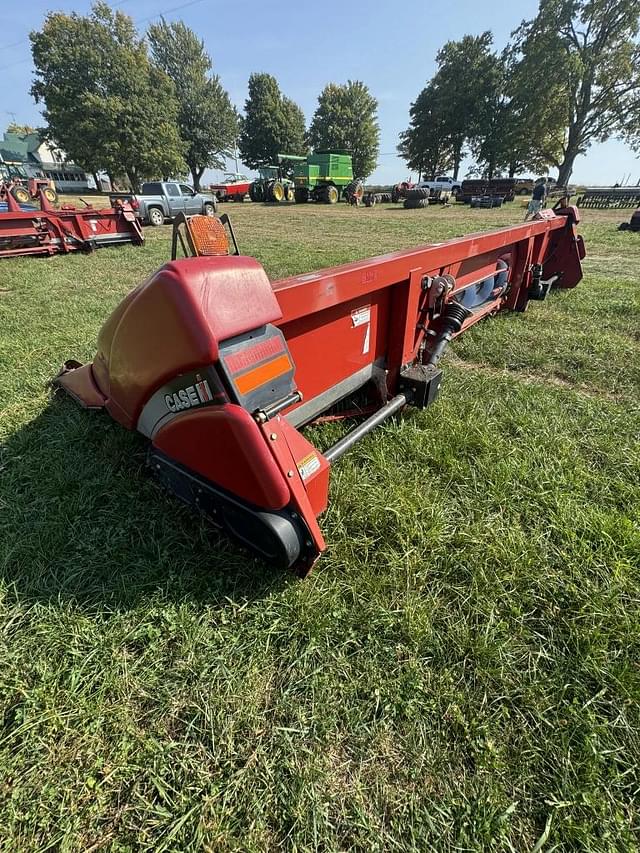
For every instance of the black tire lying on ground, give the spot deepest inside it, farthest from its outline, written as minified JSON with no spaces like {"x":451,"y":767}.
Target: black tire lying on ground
{"x":418,"y":192}
{"x":415,"y":203}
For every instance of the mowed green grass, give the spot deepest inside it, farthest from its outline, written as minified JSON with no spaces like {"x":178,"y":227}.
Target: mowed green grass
{"x":459,"y":672}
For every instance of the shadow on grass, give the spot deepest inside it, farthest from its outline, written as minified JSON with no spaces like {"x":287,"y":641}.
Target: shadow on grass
{"x":84,"y":523}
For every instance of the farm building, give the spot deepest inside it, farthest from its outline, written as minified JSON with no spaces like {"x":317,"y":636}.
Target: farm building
{"x":39,"y":159}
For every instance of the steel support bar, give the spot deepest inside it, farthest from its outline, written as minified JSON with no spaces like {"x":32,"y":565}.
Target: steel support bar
{"x":346,"y":443}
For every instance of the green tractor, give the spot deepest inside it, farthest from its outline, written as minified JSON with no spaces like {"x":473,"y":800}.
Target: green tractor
{"x":275,"y":183}
{"x":322,"y":176}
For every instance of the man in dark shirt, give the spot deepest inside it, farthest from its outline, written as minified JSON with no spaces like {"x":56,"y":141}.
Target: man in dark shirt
{"x":537,"y":197}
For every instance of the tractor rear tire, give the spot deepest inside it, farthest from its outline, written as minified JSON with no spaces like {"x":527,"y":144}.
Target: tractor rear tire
{"x":21,"y":195}
{"x":277,"y":192}
{"x":301,"y":195}
{"x":50,"y":194}
{"x":418,"y":192}
{"x":353,"y":193}
{"x":415,"y":203}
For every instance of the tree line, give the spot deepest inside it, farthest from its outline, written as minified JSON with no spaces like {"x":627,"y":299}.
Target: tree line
{"x":568,"y":78}
{"x":151,"y":106}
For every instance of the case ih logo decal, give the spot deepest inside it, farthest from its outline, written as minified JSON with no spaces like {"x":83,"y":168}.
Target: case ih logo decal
{"x":187,"y":398}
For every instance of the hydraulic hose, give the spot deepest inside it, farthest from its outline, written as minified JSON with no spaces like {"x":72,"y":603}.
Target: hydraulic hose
{"x":453,"y":318}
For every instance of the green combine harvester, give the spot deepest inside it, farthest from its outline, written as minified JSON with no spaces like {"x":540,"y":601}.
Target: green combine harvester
{"x":322,"y":176}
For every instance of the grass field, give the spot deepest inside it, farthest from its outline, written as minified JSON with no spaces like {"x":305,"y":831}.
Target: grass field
{"x":460,"y":671}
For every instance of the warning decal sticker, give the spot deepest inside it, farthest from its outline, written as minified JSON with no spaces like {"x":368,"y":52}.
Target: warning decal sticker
{"x":308,"y":466}
{"x":360,"y":316}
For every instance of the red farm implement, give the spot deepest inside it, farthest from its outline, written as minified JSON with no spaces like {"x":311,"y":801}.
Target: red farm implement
{"x":219,"y":368}
{"x":15,"y":181}
{"x":45,"y":230}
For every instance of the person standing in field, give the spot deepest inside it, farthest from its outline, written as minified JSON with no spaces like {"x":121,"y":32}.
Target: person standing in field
{"x":537,"y":197}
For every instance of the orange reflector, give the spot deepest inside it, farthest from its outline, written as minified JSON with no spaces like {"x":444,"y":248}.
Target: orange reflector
{"x":208,"y":235}
{"x":253,"y":379}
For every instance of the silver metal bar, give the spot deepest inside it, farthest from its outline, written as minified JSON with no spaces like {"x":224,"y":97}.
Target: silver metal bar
{"x":346,"y":443}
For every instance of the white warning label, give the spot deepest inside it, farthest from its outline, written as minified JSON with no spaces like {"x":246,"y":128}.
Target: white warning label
{"x":308,"y":466}
{"x":360,"y":316}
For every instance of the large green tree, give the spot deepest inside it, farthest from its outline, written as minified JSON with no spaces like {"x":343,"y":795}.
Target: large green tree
{"x":454,"y":108}
{"x":104,"y":102}
{"x":272,"y":124}
{"x":506,"y":138}
{"x":347,"y":117}
{"x":207,"y":121}
{"x":579,"y":60}
{"x":424,"y":145}
{"x":465,"y":82}
{"x":476,"y":102}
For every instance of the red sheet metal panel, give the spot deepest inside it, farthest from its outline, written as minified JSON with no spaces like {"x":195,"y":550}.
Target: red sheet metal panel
{"x":186,"y":309}
{"x":234,"y":454}
{"x":318,"y":308}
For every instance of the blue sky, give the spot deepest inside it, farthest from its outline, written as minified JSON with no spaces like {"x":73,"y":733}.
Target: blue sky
{"x":391,"y":47}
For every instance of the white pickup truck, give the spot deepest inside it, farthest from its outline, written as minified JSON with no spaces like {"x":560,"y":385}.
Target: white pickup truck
{"x":444,"y":182}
